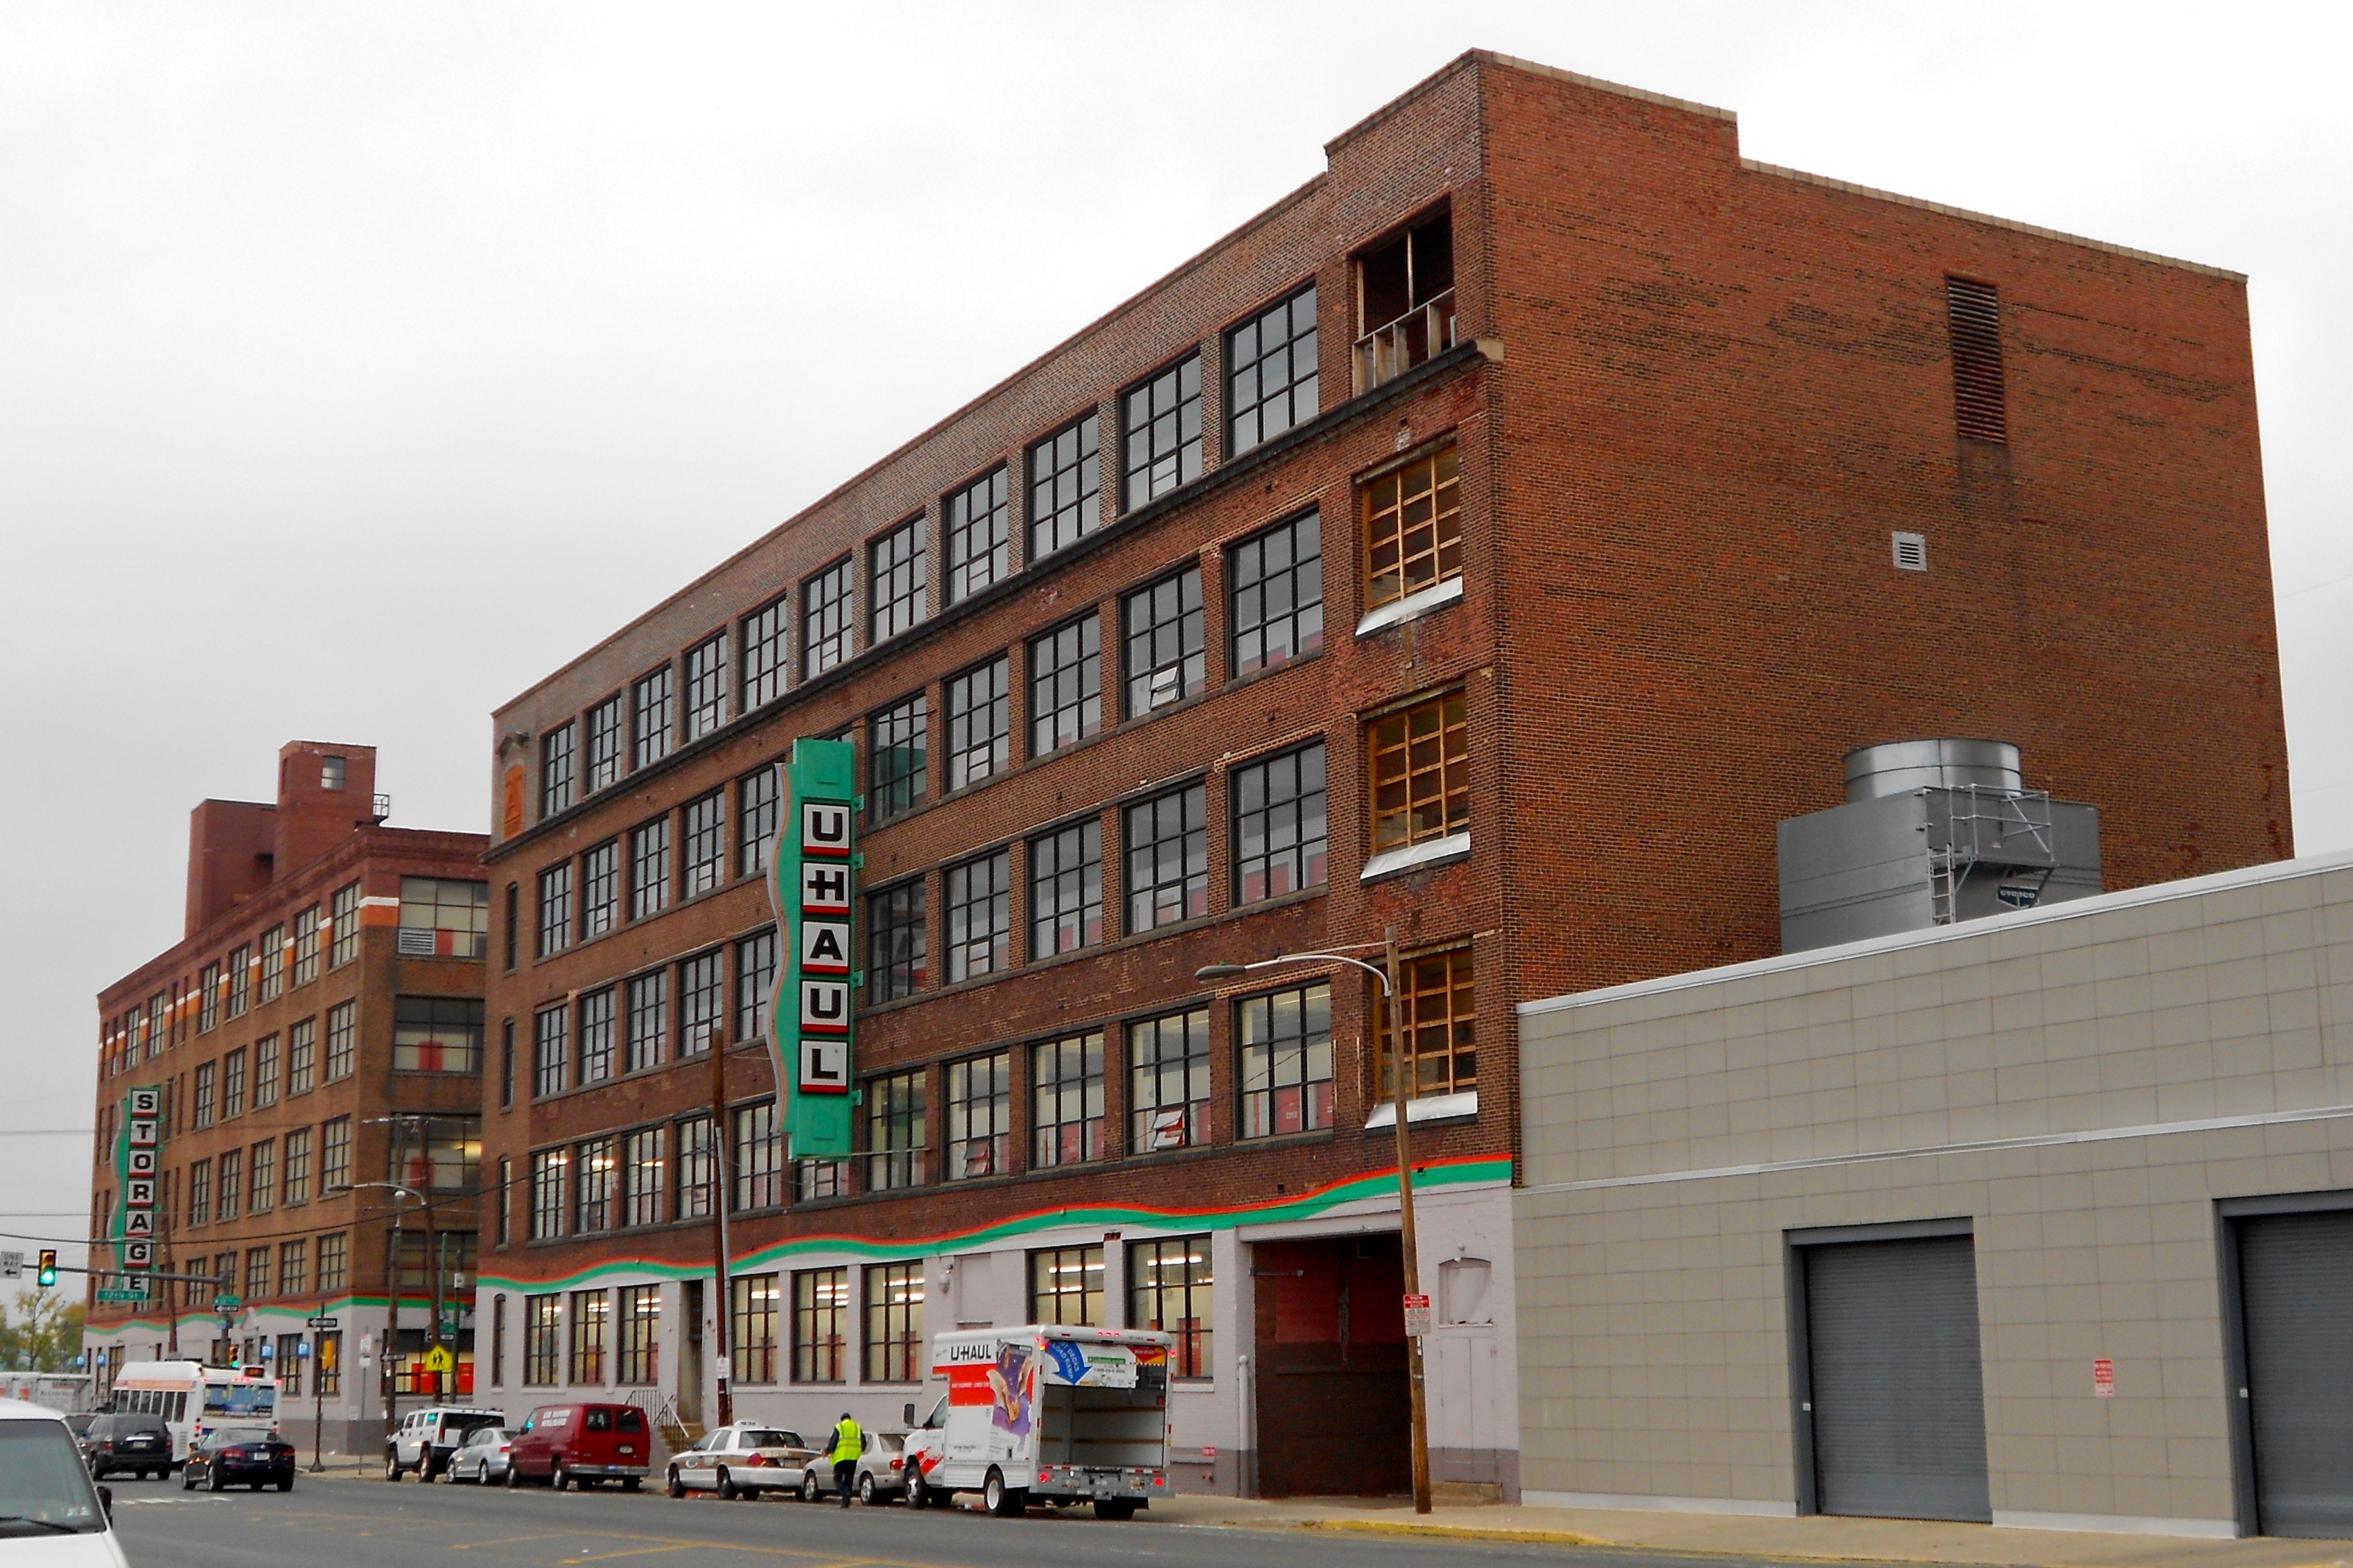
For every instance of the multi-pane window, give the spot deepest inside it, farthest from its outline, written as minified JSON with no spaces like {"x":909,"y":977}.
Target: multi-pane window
{"x":294,"y":1273}
{"x":543,"y":1327}
{"x":232,"y":1183}
{"x":233,"y":1085}
{"x":825,"y":619}
{"x":1168,"y":1290}
{"x":979,"y":530}
{"x":898,"y":758}
{"x":1066,"y":911}
{"x":702,"y":1001}
{"x":306,"y":946}
{"x":1420,"y":772}
{"x":979,"y":916}
{"x":649,"y":869}
{"x":1066,"y":1086}
{"x":706,"y":843}
{"x":555,"y":909}
{"x":1161,"y":422}
{"x":273,"y":964}
{"x":240,"y":979}
{"x":1413,"y":529}
{"x":651,"y":701}
{"x":895,"y":1132}
{"x":1274,"y":584}
{"x":1168,"y":660}
{"x":644,"y":1176}
{"x":755,"y":821}
{"x":559,"y":764}
{"x":201,"y":1109}
{"x":335,"y":1261}
{"x":821,"y":1325}
{"x":342,"y":1041}
{"x":506,"y":1216}
{"x":257,"y":1271}
{"x":752,"y":1327}
{"x":335,"y":1155}
{"x":442,"y":917}
{"x":551,"y":1050}
{"x":592,"y":1313}
{"x":756,"y":1155}
{"x":815,"y":1179}
{"x":706,"y":685}
{"x":640,"y":1359}
{"x":262,"y":1195}
{"x":296,"y":1181}
{"x":1065,"y":686}
{"x":980,"y":1110}
{"x":756,"y":978}
{"x":898,"y":943}
{"x":980,"y":717}
{"x":1270,"y":374}
{"x":698,"y":1167}
{"x":600,"y":889}
{"x":208,"y":998}
{"x":506,"y":1061}
{"x":437,"y":1034}
{"x":1168,"y":1082}
{"x":265,"y":1072}
{"x":767,"y":654}
{"x":1286,"y":1060}
{"x":1169,"y":859}
{"x":200,"y":1192}
{"x":1065,"y":500}
{"x":596,"y":1031}
{"x":551,"y":1182}
{"x":895,"y":568}
{"x":600,"y":1181}
{"x":607,"y":724}
{"x":649,"y":1017}
{"x":1441,"y":1026}
{"x":894,"y":1322}
{"x":1280,"y":832}
{"x":1066,"y":1285}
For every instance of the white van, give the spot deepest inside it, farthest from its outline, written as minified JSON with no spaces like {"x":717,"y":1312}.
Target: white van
{"x":1046,"y":1413}
{"x":50,"y":1510}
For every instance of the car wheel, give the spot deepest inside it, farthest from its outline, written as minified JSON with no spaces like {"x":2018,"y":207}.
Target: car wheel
{"x":726,"y":1487}
{"x":214,"y":1481}
{"x":1002,"y":1500}
{"x":514,"y":1478}
{"x":919,"y":1490}
{"x":392,"y":1467}
{"x":671,"y":1485}
{"x":559,"y":1478}
{"x":866,"y":1488}
{"x":810,"y":1491}
{"x":629,"y":1483}
{"x":286,"y":1483}
{"x":187,"y":1480}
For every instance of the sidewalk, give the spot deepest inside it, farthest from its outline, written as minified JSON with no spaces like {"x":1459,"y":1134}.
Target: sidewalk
{"x":1816,"y":1539}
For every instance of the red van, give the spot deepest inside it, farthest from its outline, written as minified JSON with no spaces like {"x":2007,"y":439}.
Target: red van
{"x":590,"y":1443}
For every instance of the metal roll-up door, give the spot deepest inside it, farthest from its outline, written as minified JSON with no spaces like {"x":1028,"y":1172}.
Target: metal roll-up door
{"x":2296,"y":1292}
{"x":1898,"y":1398}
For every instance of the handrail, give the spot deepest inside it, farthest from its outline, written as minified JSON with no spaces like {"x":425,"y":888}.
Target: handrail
{"x":1390,"y":350}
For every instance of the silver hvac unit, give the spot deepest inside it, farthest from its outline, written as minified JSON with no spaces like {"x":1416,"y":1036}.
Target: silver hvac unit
{"x":1932,"y":832}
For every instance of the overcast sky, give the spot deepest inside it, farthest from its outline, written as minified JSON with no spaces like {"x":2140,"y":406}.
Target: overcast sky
{"x":360,"y":364}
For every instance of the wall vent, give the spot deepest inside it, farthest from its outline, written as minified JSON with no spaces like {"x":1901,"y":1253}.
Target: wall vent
{"x":1973,"y":316}
{"x":1911,"y":551}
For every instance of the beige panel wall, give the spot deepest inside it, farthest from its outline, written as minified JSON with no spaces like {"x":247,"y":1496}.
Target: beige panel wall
{"x":1673,"y":1135}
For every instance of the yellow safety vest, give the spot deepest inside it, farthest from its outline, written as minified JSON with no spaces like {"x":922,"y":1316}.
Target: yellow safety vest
{"x":848,"y":1442}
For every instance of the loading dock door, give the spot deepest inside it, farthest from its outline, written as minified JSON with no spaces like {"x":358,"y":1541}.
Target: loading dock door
{"x":2295,"y":1286}
{"x":1898,"y":1396}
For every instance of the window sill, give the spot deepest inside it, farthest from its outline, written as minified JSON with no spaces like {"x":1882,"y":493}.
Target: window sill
{"x":1427,"y":1108}
{"x":1417,"y":856}
{"x":1412,"y":607}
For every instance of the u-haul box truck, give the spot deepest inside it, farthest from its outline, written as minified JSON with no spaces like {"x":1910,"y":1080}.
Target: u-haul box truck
{"x":1047,"y":1414}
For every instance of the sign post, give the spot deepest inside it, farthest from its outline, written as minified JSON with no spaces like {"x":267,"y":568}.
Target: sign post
{"x":812,"y":885}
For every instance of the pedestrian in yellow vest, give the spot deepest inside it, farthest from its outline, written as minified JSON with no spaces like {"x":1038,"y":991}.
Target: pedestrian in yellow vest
{"x":848,"y":1442}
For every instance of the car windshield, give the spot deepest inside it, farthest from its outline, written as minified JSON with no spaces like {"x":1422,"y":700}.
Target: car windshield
{"x":45,"y":1488}
{"x":765,"y":1437}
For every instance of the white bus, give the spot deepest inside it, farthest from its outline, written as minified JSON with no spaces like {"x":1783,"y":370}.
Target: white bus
{"x":194,"y":1398}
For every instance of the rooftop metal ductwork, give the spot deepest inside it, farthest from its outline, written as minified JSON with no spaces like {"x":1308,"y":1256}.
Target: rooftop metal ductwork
{"x":1932,"y":832}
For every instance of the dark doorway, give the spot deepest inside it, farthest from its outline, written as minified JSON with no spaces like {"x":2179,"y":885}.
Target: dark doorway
{"x":1333,"y":1410}
{"x":2296,"y":1279}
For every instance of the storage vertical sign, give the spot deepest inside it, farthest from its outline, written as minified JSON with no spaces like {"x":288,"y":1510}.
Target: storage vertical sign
{"x":812,"y":883}
{"x":135,"y":1160}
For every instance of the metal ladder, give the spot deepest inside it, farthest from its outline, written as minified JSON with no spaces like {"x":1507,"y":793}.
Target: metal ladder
{"x":1970,"y":809}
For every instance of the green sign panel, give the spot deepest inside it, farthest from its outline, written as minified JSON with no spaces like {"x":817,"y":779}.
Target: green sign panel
{"x":120,"y":1293}
{"x":811,"y":884}
{"x":225,"y":1305}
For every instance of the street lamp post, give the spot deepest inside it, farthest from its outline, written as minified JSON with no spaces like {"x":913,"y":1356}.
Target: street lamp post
{"x":1386,"y":973}
{"x":392,"y":1293}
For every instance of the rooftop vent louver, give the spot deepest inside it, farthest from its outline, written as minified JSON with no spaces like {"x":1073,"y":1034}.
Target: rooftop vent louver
{"x":1911,"y":551}
{"x":1973,"y":315}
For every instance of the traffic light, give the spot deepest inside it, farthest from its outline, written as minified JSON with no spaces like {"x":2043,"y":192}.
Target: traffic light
{"x":48,"y":1275}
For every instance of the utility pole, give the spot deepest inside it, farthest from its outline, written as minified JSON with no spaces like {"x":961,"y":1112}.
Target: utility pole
{"x":1405,"y":1225}
{"x":720,"y":1194}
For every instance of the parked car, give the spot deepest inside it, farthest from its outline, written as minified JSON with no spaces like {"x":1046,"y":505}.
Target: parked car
{"x":590,"y":1443}
{"x":50,"y":1510}
{"x":482,"y":1456}
{"x":426,"y":1438}
{"x":741,"y":1460}
{"x":881,"y":1472}
{"x":78,"y":1423}
{"x":141,"y":1444}
{"x":239,"y":1457}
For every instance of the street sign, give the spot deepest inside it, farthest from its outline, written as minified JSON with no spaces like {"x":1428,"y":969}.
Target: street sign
{"x":12,"y":1265}
{"x":438,"y":1359}
{"x":322,"y":1323}
{"x":1416,"y":1316}
{"x":225,"y":1305}
{"x":120,"y":1293}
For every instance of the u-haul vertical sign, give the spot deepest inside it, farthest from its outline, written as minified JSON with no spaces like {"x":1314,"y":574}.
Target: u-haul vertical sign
{"x":135,"y":1163}
{"x":813,"y":885}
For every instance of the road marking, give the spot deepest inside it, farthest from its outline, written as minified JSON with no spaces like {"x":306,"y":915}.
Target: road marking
{"x":632,"y":1551}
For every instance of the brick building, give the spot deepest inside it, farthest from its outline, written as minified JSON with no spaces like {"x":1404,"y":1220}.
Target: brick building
{"x":1492,"y":541}
{"x":318,"y":1027}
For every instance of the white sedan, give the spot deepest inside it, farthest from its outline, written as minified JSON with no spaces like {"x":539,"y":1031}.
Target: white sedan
{"x":741,"y":1460}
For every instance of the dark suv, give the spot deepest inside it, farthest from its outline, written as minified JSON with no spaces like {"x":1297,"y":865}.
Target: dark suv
{"x":141,"y":1444}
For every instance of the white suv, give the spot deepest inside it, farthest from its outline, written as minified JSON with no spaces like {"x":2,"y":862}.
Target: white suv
{"x":427,"y":1437}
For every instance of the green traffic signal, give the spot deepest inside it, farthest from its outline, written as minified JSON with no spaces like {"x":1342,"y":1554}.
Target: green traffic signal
{"x":48,"y":1275}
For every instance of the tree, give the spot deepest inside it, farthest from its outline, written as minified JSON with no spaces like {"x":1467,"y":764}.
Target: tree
{"x":43,"y":1332}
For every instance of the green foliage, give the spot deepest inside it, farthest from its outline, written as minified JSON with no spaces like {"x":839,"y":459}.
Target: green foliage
{"x":43,"y":1331}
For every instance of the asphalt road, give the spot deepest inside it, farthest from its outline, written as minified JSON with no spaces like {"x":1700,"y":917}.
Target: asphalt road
{"x":337,"y":1523}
